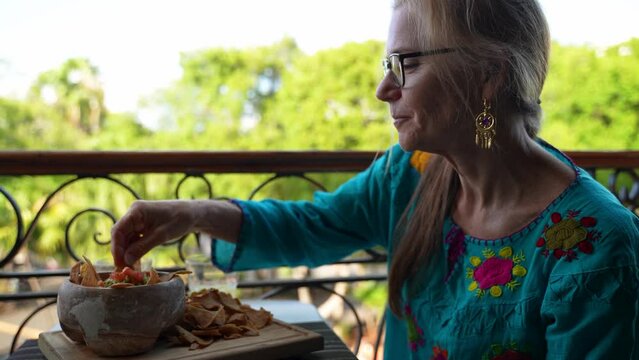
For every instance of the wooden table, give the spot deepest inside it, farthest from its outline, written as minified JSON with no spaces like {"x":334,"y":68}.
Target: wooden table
{"x":334,"y":348}
{"x":294,"y":312}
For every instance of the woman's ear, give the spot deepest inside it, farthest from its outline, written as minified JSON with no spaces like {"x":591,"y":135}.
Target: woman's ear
{"x":494,"y":80}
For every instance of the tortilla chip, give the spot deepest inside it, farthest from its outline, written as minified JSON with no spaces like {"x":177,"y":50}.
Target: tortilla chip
{"x":75,"y":275}
{"x":233,"y":336}
{"x":200,"y":318}
{"x":238,"y":319}
{"x":154,"y":278}
{"x":221,"y":317}
{"x":208,"y":333}
{"x":169,"y":276}
{"x":229,"y":301}
{"x":249,"y":331}
{"x":230,"y":329}
{"x":206,"y":298}
{"x":89,"y":275}
{"x":184,"y":335}
{"x":260,"y":318}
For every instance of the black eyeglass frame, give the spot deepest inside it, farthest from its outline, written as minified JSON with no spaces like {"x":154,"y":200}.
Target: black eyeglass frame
{"x":388,"y":67}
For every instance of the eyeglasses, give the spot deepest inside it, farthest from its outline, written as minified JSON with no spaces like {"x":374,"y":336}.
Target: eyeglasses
{"x":394,"y":63}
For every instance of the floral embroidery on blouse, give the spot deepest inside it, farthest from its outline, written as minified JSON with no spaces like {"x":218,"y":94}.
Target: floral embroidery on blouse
{"x":456,"y":248}
{"x":567,"y":235}
{"x":495,"y":271}
{"x":419,"y":160}
{"x":439,"y":353}
{"x":415,"y":333}
{"x":508,"y":352}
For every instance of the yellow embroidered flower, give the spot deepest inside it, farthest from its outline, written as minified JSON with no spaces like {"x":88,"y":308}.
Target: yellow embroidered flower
{"x":419,"y":160}
{"x":506,"y":252}
{"x":519,"y":270}
{"x":495,"y":271}
{"x":565,"y":234}
{"x":475,"y":261}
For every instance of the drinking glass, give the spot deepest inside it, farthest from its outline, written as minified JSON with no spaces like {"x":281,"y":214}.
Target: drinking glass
{"x":205,"y":275}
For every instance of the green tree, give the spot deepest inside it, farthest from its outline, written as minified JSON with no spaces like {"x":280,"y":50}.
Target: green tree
{"x":75,"y":91}
{"x":28,"y":125}
{"x":327,"y":101}
{"x":591,"y":99}
{"x":220,"y":90}
{"x":16,"y":124}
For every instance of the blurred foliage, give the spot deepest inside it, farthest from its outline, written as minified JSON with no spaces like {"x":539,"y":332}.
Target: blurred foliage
{"x":371,"y":293}
{"x":74,"y":93}
{"x":591,"y":97}
{"x":266,"y":98}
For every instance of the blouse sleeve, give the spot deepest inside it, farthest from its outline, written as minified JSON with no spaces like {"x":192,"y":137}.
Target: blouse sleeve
{"x":332,"y":226}
{"x":594,"y":313}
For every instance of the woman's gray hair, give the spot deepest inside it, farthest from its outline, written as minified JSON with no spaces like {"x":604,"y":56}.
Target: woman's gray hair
{"x":489,"y":34}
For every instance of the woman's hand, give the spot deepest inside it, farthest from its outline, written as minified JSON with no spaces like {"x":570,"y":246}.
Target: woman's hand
{"x":148,"y":224}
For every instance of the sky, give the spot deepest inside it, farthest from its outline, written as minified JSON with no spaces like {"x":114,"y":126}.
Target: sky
{"x":136,"y":44}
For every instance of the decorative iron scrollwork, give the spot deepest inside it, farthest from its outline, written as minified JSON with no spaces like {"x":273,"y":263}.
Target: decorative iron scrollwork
{"x":67,"y":241}
{"x":19,"y":229}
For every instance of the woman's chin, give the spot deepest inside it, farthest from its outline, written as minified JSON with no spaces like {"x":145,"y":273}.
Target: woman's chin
{"x":408,"y":143}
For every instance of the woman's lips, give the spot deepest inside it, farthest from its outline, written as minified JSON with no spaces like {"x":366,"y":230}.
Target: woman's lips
{"x":398,"y":120}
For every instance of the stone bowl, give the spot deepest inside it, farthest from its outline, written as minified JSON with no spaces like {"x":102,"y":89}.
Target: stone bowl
{"x":118,"y":322}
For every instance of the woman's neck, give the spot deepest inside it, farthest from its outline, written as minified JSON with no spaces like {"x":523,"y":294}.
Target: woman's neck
{"x":501,"y":191}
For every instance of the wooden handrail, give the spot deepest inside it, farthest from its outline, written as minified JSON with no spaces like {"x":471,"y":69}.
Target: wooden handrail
{"x":89,"y":163}
{"x":198,"y":162}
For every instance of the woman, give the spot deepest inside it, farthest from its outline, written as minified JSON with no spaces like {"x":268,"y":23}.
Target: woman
{"x":501,"y":247}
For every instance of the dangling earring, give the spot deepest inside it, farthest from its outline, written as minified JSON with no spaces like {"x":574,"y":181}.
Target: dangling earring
{"x":485,"y":128}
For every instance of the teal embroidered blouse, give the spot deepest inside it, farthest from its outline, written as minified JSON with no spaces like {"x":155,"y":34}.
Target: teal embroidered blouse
{"x":564,"y":287}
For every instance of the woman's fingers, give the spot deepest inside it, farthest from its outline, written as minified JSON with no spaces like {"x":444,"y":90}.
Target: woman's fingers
{"x":148,"y":224}
{"x":126,"y":231}
{"x":142,"y":245}
{"x":119,"y":243}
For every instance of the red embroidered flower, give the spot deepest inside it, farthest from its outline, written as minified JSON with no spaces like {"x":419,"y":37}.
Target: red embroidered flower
{"x":585,"y":247}
{"x":494,"y":271}
{"x":439,"y":353}
{"x":566,"y":235}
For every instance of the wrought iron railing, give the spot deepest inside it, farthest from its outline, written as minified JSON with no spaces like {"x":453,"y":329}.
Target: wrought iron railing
{"x":617,"y":170}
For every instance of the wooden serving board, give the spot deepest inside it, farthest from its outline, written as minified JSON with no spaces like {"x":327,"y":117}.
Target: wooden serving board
{"x":276,"y":341}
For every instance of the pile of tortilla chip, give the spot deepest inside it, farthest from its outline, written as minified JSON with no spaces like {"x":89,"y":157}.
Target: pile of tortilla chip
{"x":84,"y":273}
{"x":211,"y":315}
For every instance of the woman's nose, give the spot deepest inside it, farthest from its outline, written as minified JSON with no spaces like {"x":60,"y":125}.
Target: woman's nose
{"x":387,"y":90}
